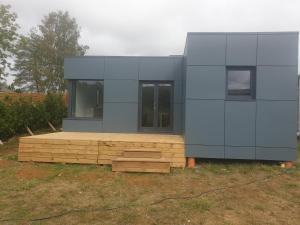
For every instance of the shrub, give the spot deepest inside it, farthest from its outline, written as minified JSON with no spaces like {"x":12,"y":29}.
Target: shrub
{"x":16,"y":114}
{"x":55,"y":108}
{"x":6,"y":122}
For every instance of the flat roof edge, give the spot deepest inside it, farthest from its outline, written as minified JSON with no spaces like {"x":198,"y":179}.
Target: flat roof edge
{"x":271,"y":32}
{"x":121,"y":56}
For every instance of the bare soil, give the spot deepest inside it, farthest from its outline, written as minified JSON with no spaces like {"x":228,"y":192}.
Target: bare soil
{"x":28,"y":172}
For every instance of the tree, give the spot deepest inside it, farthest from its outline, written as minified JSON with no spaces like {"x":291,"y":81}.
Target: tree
{"x":40,"y":56}
{"x":8,"y":37}
{"x":30,"y":64}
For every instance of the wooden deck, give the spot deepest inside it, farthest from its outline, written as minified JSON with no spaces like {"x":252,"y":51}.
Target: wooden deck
{"x":98,"y":148}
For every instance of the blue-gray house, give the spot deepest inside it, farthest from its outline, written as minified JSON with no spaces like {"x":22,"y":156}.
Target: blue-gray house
{"x":231,"y":95}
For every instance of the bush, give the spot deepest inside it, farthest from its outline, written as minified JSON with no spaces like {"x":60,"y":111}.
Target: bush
{"x":16,"y":114}
{"x":55,"y":108}
{"x":6,"y":122}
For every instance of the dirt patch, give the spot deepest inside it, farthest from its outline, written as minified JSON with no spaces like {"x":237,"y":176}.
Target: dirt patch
{"x":88,"y":177}
{"x":139,"y":181}
{"x":5,"y":163}
{"x":28,"y":172}
{"x":92,"y":177}
{"x":8,"y":152}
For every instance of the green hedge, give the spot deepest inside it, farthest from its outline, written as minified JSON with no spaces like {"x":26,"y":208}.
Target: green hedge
{"x":15,"y":115}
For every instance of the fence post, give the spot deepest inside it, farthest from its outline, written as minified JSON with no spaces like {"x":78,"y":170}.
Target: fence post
{"x":52,"y":127}
{"x":29,"y":131}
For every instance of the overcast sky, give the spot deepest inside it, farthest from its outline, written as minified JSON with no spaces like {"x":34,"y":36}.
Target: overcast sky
{"x":158,"y":27}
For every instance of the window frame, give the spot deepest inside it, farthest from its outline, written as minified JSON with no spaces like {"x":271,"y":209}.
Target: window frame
{"x":252,"y":94}
{"x":72,"y":99}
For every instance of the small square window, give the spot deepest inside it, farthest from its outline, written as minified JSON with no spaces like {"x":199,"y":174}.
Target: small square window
{"x":240,"y":83}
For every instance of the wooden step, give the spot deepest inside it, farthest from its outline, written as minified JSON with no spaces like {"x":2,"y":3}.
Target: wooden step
{"x":141,"y":153}
{"x":141,"y":165}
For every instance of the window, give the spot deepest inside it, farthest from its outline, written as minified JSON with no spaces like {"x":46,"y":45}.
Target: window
{"x":87,"y":99}
{"x":240,"y":83}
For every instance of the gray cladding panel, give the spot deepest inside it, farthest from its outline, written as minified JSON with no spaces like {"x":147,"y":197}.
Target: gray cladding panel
{"x":178,"y":64}
{"x":202,"y":151}
{"x":84,"y":68}
{"x":178,"y":95}
{"x":276,"y":124}
{"x":233,"y":152}
{"x":82,"y":125}
{"x":120,"y":117}
{"x":177,"y":118}
{"x":206,"y":49}
{"x":277,"y":49}
{"x":205,"y":82}
{"x":158,"y":68}
{"x":121,"y":91}
{"x":282,"y":154}
{"x":204,"y":122}
{"x":121,"y":68}
{"x":276,"y":82}
{"x":240,"y":123}
{"x":241,"y":49}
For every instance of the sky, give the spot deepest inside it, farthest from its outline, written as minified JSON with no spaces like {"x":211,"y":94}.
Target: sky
{"x":158,"y":27}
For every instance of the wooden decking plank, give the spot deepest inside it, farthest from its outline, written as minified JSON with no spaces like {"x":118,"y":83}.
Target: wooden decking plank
{"x":141,"y":153}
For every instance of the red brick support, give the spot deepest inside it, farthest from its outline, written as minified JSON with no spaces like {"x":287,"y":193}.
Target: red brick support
{"x":191,"y":162}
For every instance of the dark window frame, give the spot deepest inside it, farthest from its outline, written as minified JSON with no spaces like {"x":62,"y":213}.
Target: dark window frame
{"x":252,"y":90}
{"x":72,"y":99}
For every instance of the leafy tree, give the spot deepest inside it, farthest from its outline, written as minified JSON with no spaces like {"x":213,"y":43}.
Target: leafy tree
{"x":40,"y":55}
{"x":8,"y":37}
{"x":30,"y":64}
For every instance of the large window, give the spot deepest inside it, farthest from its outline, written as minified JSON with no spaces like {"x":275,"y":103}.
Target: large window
{"x":87,"y":99}
{"x":240,"y":83}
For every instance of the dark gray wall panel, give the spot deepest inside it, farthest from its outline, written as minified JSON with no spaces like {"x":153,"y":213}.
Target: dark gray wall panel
{"x":241,"y":49}
{"x":178,"y":67}
{"x":86,"y":67}
{"x":282,"y":154}
{"x":276,"y":124}
{"x":121,"y":67}
{"x":82,"y":125}
{"x":206,"y":49}
{"x":277,"y":82}
{"x":121,"y":91}
{"x":277,"y":49}
{"x":120,"y":117}
{"x":204,"y":123}
{"x":233,"y":152}
{"x":178,"y":95}
{"x":240,"y":123}
{"x":158,"y":68}
{"x":177,"y":118}
{"x":205,"y":82}
{"x":201,"y":151}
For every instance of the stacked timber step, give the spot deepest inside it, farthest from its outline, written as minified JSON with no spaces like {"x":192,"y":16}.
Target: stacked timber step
{"x":101,"y":148}
{"x":141,"y":160}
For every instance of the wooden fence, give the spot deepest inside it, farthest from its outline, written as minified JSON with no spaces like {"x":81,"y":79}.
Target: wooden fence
{"x":35,"y":97}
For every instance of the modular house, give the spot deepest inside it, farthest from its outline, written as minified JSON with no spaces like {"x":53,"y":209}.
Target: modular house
{"x":231,"y":95}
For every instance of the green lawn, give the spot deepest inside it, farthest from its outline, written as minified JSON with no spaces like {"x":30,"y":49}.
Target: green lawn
{"x":215,"y":193}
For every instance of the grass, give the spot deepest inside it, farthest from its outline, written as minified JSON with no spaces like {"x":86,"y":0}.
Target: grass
{"x":34,"y":190}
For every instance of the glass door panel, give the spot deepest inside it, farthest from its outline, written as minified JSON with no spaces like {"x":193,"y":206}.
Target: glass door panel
{"x":148,"y":105}
{"x":164,"y":105}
